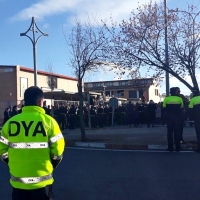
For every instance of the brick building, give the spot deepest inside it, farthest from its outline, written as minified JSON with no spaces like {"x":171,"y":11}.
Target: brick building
{"x":15,"y":79}
{"x":127,"y":89}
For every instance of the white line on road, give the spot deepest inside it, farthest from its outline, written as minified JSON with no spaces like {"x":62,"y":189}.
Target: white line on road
{"x":145,"y":151}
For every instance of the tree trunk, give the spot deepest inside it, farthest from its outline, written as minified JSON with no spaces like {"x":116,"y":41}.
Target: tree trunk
{"x":81,"y":119}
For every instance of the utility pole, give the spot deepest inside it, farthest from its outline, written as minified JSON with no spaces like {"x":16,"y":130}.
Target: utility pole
{"x":166,"y":48}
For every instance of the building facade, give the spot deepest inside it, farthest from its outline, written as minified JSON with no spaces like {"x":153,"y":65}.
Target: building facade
{"x":131,"y":90}
{"x":14,"y":80}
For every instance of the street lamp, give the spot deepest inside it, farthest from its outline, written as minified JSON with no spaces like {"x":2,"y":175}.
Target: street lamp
{"x":34,"y":28}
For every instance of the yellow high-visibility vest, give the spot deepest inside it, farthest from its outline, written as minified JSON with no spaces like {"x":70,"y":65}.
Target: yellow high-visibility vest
{"x":31,"y":140}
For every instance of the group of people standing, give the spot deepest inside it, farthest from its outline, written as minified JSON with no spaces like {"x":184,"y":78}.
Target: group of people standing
{"x":101,"y":115}
{"x":177,"y":109}
{"x":10,"y":112}
{"x":173,"y":111}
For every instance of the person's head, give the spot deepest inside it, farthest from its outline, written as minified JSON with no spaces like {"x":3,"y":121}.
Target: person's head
{"x":173,"y":91}
{"x":195,"y":92}
{"x":15,"y":107}
{"x":178,"y":91}
{"x":151,"y":101}
{"x":33,"y":96}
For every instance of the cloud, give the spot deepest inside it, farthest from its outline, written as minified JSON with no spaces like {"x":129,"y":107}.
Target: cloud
{"x":45,"y":8}
{"x":46,"y":25}
{"x":100,"y":9}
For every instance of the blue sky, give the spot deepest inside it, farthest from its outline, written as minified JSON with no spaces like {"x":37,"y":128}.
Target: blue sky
{"x":51,"y":16}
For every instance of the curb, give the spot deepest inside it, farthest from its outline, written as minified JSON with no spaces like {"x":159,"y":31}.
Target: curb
{"x":125,"y":147}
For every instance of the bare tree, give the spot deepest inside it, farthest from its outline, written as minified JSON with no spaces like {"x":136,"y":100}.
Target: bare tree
{"x":138,"y":43}
{"x":51,"y":80}
{"x":86,"y":43}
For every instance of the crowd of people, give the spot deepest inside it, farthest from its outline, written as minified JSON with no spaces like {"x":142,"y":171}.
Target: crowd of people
{"x":128,"y":114}
{"x":172,"y":112}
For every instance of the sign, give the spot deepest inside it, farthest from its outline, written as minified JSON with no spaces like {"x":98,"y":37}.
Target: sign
{"x":113,"y":102}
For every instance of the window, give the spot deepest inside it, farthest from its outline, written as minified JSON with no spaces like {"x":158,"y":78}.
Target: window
{"x":133,"y":94}
{"x":141,"y":94}
{"x":120,"y":93}
{"x":109,"y":83}
{"x":123,"y":83}
{"x":156,"y":92}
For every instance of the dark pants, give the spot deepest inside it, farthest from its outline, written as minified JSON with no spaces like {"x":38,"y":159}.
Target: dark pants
{"x":62,"y":121}
{"x":72,"y":121}
{"x":100,"y":120}
{"x":197,"y":130}
{"x":173,"y":131}
{"x":36,"y":194}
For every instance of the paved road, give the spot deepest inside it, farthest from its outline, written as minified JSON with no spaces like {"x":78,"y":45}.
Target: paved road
{"x":127,"y":175}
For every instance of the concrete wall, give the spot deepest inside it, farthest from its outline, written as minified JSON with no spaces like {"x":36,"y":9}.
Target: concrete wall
{"x":152,"y":94}
{"x":67,"y":85}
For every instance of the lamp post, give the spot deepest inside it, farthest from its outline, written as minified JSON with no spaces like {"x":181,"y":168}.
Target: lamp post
{"x":34,"y":28}
{"x":166,"y":48}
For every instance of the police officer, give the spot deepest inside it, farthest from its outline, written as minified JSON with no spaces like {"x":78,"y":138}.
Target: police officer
{"x":72,"y":117}
{"x":62,"y":112}
{"x":194,"y":111}
{"x":93,"y":115}
{"x":100,"y":116}
{"x":32,"y":145}
{"x":173,"y":106}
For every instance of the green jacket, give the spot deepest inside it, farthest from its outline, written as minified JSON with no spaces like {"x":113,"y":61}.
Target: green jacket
{"x":31,"y":141}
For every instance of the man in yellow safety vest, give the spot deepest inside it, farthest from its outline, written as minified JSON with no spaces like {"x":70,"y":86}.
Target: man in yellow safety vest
{"x":32,"y":145}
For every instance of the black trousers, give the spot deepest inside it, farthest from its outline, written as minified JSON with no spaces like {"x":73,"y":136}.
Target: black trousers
{"x":45,"y":193}
{"x":173,"y":132}
{"x":197,"y":130}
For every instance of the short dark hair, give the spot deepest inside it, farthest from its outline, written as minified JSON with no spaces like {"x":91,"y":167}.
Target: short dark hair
{"x":32,"y":95}
{"x":173,"y":90}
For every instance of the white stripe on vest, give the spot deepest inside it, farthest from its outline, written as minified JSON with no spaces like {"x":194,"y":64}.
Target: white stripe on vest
{"x":29,"y":180}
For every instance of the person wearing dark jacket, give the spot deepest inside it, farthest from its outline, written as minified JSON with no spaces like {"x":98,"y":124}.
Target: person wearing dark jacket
{"x":62,"y":112}
{"x":6,"y":115}
{"x":173,"y":106}
{"x":129,"y":113}
{"x":151,"y":113}
{"x":14,"y":111}
{"x":194,"y":112}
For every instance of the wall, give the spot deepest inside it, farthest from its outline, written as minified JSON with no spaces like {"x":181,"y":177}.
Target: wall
{"x":152,"y":95}
{"x":67,"y":85}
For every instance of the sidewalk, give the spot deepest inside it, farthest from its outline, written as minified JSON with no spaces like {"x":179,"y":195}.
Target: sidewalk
{"x":124,"y":137}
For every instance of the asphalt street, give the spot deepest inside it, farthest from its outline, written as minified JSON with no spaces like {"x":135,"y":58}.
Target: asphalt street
{"x":87,"y":174}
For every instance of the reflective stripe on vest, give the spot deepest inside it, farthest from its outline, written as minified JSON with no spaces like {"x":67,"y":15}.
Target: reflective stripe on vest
{"x":57,"y":157}
{"x":29,"y":145}
{"x":3,"y":140}
{"x":30,"y":180}
{"x":55,"y":138}
{"x":4,"y":156}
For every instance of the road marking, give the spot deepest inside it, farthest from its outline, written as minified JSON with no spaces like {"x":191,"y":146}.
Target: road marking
{"x":121,"y":150}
